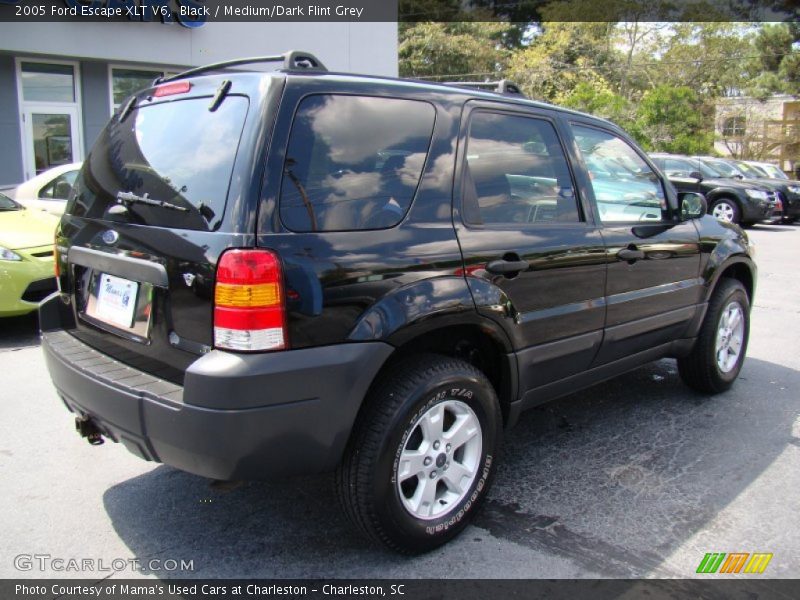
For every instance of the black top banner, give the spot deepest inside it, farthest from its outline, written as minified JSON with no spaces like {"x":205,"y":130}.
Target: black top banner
{"x":196,"y":13}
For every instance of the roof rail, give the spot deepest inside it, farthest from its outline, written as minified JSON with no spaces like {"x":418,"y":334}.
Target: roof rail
{"x":294,"y":60}
{"x":503,"y":86}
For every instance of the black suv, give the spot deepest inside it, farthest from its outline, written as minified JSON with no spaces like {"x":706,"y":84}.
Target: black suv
{"x":729,"y":199}
{"x":292,"y":272}
{"x":787,"y":191}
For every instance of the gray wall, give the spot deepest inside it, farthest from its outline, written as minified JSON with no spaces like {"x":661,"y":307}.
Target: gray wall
{"x":96,"y":97}
{"x":10,"y":137}
{"x":369,"y":48}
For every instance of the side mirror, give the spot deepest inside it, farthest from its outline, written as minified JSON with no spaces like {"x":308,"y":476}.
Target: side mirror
{"x":693,"y":205}
{"x":696,"y":175}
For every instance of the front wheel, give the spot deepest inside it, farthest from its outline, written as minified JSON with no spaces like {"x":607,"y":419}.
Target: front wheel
{"x":718,"y":354}
{"x":422,"y":455}
{"x":726,"y":210}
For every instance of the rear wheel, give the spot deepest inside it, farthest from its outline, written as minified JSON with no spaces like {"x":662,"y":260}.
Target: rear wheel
{"x":726,"y":210}
{"x":718,"y":355}
{"x":422,"y":455}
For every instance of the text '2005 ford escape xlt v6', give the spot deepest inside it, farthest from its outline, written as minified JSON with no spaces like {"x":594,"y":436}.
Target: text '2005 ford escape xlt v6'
{"x":289,"y":272}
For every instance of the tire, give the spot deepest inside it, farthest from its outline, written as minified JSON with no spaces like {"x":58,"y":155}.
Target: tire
{"x":374,"y":482}
{"x":726,"y":210}
{"x":706,"y":369}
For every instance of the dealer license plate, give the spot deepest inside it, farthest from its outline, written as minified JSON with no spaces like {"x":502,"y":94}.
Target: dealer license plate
{"x":116,"y":300}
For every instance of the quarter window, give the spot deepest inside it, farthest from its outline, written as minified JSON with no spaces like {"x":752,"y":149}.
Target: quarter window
{"x":516,"y":172}
{"x":353,"y":162}
{"x":625,"y":188}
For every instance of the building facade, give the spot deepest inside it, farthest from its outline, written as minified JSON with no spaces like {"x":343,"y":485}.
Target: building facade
{"x":60,"y":82}
{"x":769,"y":129}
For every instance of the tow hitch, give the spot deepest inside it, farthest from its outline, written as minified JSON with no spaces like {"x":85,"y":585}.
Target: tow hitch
{"x":86,"y":428}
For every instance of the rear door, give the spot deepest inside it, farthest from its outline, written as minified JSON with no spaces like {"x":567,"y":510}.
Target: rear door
{"x":147,"y":222}
{"x":653,"y":285}
{"x":533,"y":261}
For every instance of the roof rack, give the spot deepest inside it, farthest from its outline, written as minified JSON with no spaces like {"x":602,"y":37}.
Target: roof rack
{"x":503,"y":86}
{"x":294,"y":60}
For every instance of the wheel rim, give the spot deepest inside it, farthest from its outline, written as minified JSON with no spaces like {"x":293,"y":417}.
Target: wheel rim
{"x":439,"y":460}
{"x":730,"y":337}
{"x":724,"y":212}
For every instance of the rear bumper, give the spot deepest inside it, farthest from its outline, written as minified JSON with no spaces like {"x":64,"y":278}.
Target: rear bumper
{"x":237,"y":417}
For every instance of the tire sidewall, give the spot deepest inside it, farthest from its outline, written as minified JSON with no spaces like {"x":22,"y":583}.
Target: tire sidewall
{"x":424,"y":534}
{"x":738,"y":295}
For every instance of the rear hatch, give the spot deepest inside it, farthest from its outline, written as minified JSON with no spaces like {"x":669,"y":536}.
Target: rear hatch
{"x":165,"y":190}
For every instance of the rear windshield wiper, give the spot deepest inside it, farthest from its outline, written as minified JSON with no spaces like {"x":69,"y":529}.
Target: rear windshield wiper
{"x":131,"y":198}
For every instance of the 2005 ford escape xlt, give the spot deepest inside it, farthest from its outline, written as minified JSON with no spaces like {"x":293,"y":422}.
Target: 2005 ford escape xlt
{"x":297,"y":271}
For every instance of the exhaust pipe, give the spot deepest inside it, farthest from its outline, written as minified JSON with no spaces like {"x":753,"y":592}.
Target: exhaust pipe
{"x":87,"y":429}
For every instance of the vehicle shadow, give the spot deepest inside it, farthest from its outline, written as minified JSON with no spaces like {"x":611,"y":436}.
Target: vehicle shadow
{"x":19,"y":332}
{"x":614,"y":478}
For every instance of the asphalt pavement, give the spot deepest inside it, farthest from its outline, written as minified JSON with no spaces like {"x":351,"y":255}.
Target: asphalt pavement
{"x":636,"y":477}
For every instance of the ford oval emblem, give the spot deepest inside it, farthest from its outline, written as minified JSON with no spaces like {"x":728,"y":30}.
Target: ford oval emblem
{"x":110,"y":237}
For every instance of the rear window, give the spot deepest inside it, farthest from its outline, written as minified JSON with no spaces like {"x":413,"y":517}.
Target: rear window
{"x":354,"y":162}
{"x":177,"y":153}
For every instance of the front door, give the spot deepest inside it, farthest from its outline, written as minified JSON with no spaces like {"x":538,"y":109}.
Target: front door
{"x":654,"y":282}
{"x":51,"y":137}
{"x":533,"y":261}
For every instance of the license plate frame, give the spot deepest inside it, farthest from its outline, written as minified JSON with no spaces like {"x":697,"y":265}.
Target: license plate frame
{"x":107,"y":309}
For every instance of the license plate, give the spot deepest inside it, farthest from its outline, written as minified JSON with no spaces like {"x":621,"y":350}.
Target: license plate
{"x":116,"y":300}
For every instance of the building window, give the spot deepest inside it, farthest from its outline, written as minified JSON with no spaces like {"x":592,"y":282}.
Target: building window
{"x":734,"y":126}
{"x":43,"y":82}
{"x":126,"y":81}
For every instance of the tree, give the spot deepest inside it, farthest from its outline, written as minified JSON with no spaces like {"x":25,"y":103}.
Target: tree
{"x":776,"y":67}
{"x":675,"y":119}
{"x":561,"y":57}
{"x":451,"y":50}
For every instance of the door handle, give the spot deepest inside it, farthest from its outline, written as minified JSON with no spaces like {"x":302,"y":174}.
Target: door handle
{"x":507,"y":267}
{"x":631,"y":254}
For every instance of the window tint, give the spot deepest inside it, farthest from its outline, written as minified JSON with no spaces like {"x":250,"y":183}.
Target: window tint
{"x":676,"y":167}
{"x":60,"y":187}
{"x":625,"y":187}
{"x":177,"y":152}
{"x":516,"y":172}
{"x":353,"y":162}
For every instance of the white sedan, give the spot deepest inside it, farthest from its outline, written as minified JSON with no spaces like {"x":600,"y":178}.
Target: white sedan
{"x":48,"y":191}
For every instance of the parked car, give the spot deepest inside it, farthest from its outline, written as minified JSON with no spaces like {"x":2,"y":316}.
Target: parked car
{"x":398,"y":269}
{"x":730,"y":200}
{"x":768,"y":169}
{"x":26,"y":258}
{"x":48,"y":191}
{"x":787,"y":191}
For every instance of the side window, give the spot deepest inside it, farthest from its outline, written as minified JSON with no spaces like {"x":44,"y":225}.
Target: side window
{"x":60,"y":187}
{"x":353,"y":162}
{"x":679,"y":168}
{"x":625,"y":187}
{"x":516,"y":172}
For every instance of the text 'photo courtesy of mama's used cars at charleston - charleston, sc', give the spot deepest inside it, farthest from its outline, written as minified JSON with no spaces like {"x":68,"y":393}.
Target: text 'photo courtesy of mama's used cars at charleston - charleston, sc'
{"x":372,"y":277}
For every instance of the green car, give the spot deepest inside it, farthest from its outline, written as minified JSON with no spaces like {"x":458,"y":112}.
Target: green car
{"x":26,"y":257}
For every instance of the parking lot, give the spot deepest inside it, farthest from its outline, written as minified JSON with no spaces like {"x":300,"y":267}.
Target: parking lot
{"x":637,"y":477}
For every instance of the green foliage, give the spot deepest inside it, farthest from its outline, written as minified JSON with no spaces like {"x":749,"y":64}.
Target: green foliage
{"x":453,"y":49}
{"x":659,"y":81}
{"x":673,"y":119}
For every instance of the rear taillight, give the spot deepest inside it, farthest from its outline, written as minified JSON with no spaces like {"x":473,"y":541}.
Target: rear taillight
{"x":249,"y":307}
